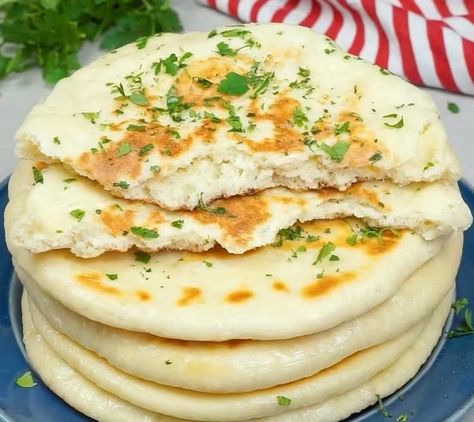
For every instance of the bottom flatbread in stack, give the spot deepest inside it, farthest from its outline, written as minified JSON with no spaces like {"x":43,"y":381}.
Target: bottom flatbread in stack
{"x":113,"y":374}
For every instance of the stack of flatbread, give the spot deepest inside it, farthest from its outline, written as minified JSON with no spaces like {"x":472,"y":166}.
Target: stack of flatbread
{"x":246,"y":224}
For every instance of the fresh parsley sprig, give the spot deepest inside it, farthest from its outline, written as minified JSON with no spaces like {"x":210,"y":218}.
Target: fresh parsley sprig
{"x":49,"y":33}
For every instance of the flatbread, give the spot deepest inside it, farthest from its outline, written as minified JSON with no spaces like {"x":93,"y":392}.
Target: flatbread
{"x":237,"y":366}
{"x":45,"y":220}
{"x":312,"y":116}
{"x":42,"y":352}
{"x":273,"y":292}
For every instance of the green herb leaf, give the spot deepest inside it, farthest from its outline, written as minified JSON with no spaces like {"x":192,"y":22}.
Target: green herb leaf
{"x":78,"y":214}
{"x":283,"y":401}
{"x":208,"y":264}
{"x":337,"y":151}
{"x":233,"y":84}
{"x":139,"y":99}
{"x":178,"y":224}
{"x":375,"y":157}
{"x":402,"y":418}
{"x":123,"y":149}
{"x":91,"y":116}
{"x":326,"y":250}
{"x":142,"y":42}
{"x":145,"y":150}
{"x":155,"y":169}
{"x":382,"y":409}
{"x":202,"y":82}
{"x":122,"y":184}
{"x":459,"y":305}
{"x":136,"y":128}
{"x":37,"y":175}
{"x":56,"y":140}
{"x":344,"y":127}
{"x":428,"y":165}
{"x":142,"y":257}
{"x":212,"y":117}
{"x":299,"y":117}
{"x":224,"y":49}
{"x":144,"y":232}
{"x":112,"y":276}
{"x":25,"y":380}
{"x":396,"y":125}
{"x":218,"y":210}
{"x":453,"y":108}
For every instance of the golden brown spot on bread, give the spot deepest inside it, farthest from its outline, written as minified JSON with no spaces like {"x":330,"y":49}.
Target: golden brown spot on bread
{"x":389,"y":240}
{"x":363,"y":142}
{"x":154,"y":218}
{"x":108,"y":169}
{"x":301,"y":202}
{"x":142,"y":295}
{"x":189,"y":295}
{"x":213,"y":69}
{"x":243,"y":214}
{"x":327,"y":283}
{"x":117,"y":221}
{"x":41,"y":165}
{"x":279,"y":286}
{"x":92,"y":280}
{"x":239,"y":296}
{"x":285,"y":137}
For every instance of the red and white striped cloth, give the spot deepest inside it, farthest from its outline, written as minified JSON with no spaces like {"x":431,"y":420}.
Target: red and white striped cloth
{"x":429,"y":42}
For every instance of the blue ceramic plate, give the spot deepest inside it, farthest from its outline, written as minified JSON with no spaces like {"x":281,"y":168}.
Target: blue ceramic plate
{"x":442,"y":391}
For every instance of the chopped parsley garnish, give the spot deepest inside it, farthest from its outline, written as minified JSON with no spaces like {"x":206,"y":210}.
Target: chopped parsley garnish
{"x":141,"y":42}
{"x":326,"y":250}
{"x":91,"y":116}
{"x":144,"y":232}
{"x":136,"y":128}
{"x":283,"y":401}
{"x":175,"y":105}
{"x":56,"y":140}
{"x":375,"y":157}
{"x":459,"y":305}
{"x":453,"y":108}
{"x":168,"y":362}
{"x":212,"y":117}
{"x":382,"y":409}
{"x":37,"y":175}
{"x":233,"y":84}
{"x":428,"y":165}
{"x":142,"y":257}
{"x":333,"y":258}
{"x":303,"y":72}
{"x":208,"y":264}
{"x":70,"y":180}
{"x":25,"y":380}
{"x":123,"y":149}
{"x":261,"y":84}
{"x":155,"y":169}
{"x":235,"y":32}
{"x":337,"y":151}
{"x":122,"y":184}
{"x":299,"y":118}
{"x":171,"y":64}
{"x":465,"y":327}
{"x":112,"y":276}
{"x":235,"y":123}
{"x":342,"y":128}
{"x":178,"y":224}
{"x":202,"y":82}
{"x":399,"y":124}
{"x":77,"y":214}
{"x":383,"y":71}
{"x":145,"y":150}
{"x":290,"y":233}
{"x":218,"y":210}
{"x":402,"y":418}
{"x":224,"y":49}
{"x":329,"y":50}
{"x":370,"y":233}
{"x":139,"y":98}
